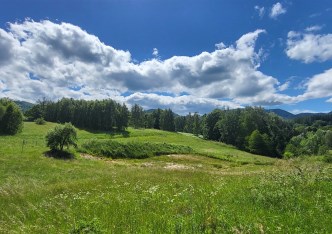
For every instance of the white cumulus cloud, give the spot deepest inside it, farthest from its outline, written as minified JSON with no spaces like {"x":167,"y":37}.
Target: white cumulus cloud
{"x":54,"y":60}
{"x":313,"y":28}
{"x":276,"y":10}
{"x":155,"y":52}
{"x":260,"y":10}
{"x":318,"y":86}
{"x":284,"y":86}
{"x":309,"y":47}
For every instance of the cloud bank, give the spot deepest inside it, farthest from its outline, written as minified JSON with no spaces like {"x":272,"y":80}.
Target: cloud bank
{"x":55,"y":60}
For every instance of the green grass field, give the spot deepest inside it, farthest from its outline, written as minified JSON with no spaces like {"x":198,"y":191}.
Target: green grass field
{"x":216,"y":189}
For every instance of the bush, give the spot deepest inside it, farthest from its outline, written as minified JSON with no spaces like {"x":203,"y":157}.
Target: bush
{"x":288,"y":154}
{"x":40,"y":121}
{"x":11,"y":118}
{"x":60,"y":136}
{"x":114,"y":149}
{"x":327,"y":158}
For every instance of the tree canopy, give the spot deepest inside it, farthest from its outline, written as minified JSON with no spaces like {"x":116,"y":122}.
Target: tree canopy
{"x":11,"y":117}
{"x":61,"y":136}
{"x":97,"y":115}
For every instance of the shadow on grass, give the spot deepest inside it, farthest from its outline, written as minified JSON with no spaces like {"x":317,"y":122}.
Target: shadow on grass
{"x":59,"y":154}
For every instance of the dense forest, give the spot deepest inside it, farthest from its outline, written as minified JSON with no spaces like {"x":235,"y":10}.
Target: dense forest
{"x":95,"y":115}
{"x":252,"y":129}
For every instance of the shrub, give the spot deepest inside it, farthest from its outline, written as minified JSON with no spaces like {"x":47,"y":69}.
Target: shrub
{"x":40,"y":121}
{"x":288,"y":154}
{"x":327,"y":158}
{"x":60,"y":136}
{"x":116,"y":149}
{"x":11,"y":118}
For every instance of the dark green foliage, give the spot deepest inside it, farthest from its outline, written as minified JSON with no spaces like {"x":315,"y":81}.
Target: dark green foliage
{"x":328,"y":158}
{"x":210,"y":130}
{"x":2,"y":111}
{"x":328,"y":139}
{"x":37,"y":111}
{"x":256,"y":143}
{"x":236,"y":126}
{"x":60,"y":136}
{"x":230,"y":128}
{"x":167,"y":120}
{"x":279,"y":132}
{"x":320,"y":119}
{"x":122,"y":117}
{"x":189,"y":123}
{"x":254,"y":118}
{"x":96,"y":115}
{"x":156,"y":114}
{"x":137,"y":116}
{"x":60,"y":154}
{"x":179,"y":123}
{"x":34,"y":113}
{"x":114,"y":149}
{"x":259,"y":144}
{"x":196,"y":124}
{"x":40,"y":121}
{"x":148,"y":120}
{"x":11,"y":118}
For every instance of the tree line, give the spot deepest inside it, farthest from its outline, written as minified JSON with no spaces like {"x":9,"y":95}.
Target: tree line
{"x":95,"y":115}
{"x":251,"y":129}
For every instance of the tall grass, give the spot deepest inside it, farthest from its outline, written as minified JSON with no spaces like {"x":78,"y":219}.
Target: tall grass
{"x":205,"y":195}
{"x":114,"y":149}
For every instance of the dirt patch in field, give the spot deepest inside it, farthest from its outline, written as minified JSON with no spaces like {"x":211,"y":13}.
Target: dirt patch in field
{"x":147,"y":164}
{"x":90,"y":157}
{"x":184,"y":157}
{"x":175,"y":166}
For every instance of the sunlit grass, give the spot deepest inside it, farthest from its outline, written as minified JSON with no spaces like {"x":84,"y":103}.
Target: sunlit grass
{"x":164,"y":194}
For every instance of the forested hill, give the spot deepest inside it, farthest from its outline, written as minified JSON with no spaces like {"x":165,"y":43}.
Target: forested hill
{"x":282,"y":113}
{"x":287,"y":115}
{"x":24,"y":105}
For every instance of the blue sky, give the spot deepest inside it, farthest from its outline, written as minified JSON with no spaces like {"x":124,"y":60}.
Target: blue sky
{"x":187,"y":55}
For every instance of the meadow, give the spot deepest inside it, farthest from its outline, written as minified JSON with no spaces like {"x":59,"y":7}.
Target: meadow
{"x":213,"y":189}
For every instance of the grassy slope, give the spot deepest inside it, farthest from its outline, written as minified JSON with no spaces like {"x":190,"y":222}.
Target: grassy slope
{"x":167,"y":194}
{"x":206,"y":148}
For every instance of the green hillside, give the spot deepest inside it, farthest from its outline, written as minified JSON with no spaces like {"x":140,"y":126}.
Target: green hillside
{"x":24,"y":105}
{"x":215,"y":189}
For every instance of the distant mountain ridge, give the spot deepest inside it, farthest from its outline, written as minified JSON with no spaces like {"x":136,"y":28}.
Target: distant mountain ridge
{"x":282,"y":113}
{"x":287,"y":115}
{"x":24,"y":105}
